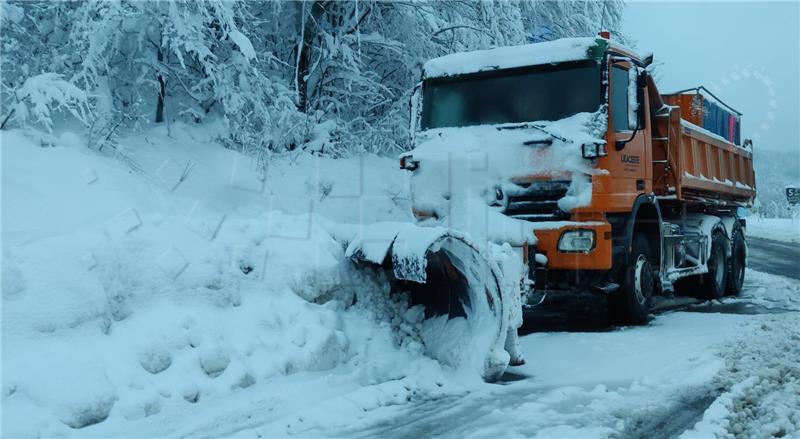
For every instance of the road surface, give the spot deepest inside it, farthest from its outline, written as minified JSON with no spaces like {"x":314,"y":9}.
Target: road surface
{"x":774,"y":257}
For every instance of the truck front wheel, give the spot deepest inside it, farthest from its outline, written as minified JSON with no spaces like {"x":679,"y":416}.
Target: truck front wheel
{"x":631,"y":303}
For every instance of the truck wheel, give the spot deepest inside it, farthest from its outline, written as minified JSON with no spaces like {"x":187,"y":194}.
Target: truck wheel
{"x":631,"y":303}
{"x":737,"y":264}
{"x":712,"y":284}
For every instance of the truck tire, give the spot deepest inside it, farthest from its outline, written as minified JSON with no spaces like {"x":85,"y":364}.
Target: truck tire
{"x":712,"y":284}
{"x":737,"y":264}
{"x":631,"y":303}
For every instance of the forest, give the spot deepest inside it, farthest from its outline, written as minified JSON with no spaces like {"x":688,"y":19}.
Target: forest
{"x":329,"y":77}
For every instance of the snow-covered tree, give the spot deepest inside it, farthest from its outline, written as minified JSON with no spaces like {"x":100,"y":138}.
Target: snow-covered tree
{"x":332,"y":77}
{"x":39,"y":95}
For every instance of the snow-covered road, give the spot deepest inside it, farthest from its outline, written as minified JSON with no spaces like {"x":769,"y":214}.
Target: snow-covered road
{"x":654,"y":381}
{"x":710,"y":370}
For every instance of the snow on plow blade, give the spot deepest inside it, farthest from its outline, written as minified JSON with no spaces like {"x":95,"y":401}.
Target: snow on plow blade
{"x":466,"y":321}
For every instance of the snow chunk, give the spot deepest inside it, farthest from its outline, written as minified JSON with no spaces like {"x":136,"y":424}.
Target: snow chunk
{"x":409,"y":251}
{"x":155,"y":358}
{"x":244,"y":44}
{"x":70,"y":140}
{"x":373,"y":242}
{"x":214,"y":360}
{"x":78,"y":392}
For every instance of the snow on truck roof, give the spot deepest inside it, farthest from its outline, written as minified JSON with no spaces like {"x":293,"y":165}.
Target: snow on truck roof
{"x":565,"y":49}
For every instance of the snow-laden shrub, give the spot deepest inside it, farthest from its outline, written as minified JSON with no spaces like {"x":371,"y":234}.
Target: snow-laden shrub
{"x":41,"y":96}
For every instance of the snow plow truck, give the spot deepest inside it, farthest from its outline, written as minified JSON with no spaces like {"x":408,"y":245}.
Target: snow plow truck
{"x":557,"y":168}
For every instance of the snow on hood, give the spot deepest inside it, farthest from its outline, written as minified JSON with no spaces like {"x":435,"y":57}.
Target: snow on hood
{"x":565,"y":49}
{"x":460,"y":170}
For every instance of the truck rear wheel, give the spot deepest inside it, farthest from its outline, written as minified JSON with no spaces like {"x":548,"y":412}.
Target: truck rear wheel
{"x":712,"y":284}
{"x":631,"y":303}
{"x":738,"y":262}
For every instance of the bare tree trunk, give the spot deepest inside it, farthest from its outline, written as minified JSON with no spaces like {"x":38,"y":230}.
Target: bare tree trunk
{"x":162,"y":89}
{"x":308,"y":33}
{"x":11,"y":113}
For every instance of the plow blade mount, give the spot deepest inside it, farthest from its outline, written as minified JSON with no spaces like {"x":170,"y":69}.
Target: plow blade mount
{"x":465,"y":323}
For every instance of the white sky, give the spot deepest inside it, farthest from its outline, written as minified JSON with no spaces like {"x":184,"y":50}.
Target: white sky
{"x":746,"y":52}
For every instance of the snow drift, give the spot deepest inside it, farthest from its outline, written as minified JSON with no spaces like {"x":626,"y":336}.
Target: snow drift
{"x":133,"y":293}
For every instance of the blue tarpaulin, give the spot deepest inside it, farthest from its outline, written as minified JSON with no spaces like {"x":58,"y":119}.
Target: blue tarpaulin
{"x":721,"y":121}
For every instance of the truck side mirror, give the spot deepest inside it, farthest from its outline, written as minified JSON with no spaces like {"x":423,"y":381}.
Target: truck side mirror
{"x":641,"y":80}
{"x":648,"y":59}
{"x":641,"y":83}
{"x":414,"y":109}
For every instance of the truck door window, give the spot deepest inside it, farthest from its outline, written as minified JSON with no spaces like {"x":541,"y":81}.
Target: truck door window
{"x":619,"y":99}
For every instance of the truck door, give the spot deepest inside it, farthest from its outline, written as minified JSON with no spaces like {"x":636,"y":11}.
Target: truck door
{"x":628,"y":161}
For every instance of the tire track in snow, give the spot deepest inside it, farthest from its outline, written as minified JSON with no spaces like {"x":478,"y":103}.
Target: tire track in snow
{"x":671,"y":421}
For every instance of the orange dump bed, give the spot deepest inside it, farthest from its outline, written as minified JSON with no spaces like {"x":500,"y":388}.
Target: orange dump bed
{"x":694,"y":164}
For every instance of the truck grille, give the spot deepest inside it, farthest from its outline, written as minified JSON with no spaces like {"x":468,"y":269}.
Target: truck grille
{"x":538,"y":201}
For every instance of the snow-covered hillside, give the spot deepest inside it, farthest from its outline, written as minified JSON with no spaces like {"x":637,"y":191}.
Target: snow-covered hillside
{"x":164,"y":286}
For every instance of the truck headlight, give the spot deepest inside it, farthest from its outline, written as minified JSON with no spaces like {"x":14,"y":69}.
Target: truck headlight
{"x":576,"y":241}
{"x":593,"y":150}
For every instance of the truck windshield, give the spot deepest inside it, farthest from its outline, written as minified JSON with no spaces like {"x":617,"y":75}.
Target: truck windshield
{"x":528,"y":94}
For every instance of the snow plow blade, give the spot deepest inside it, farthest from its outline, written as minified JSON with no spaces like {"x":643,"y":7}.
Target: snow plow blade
{"x":467,"y":315}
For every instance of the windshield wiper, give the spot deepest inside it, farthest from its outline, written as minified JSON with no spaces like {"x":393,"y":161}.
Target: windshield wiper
{"x":547,"y":141}
{"x":540,"y":128}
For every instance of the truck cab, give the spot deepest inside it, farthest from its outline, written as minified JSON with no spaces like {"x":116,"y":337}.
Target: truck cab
{"x":573,"y":142}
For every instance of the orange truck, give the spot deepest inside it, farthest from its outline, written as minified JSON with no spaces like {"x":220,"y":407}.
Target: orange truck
{"x":666,"y":174}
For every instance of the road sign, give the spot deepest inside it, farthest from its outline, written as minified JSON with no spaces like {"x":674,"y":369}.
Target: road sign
{"x":793,"y":195}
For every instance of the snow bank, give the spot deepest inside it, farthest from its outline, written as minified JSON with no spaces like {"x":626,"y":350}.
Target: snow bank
{"x":763,"y":399}
{"x":130,"y":296}
{"x":566,"y":49}
{"x":462,"y":171}
{"x":776,"y":229}
{"x":770,"y":291}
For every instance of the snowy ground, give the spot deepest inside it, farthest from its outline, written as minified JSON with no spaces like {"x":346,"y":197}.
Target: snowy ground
{"x":214,"y":302}
{"x":776,"y":229}
{"x":135,"y":294}
{"x":713,"y":370}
